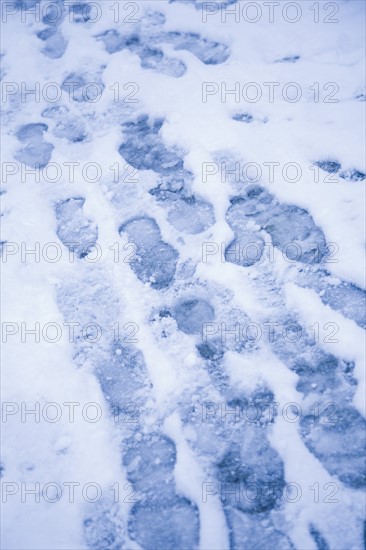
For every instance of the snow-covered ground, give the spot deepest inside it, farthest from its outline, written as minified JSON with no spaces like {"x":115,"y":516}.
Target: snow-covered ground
{"x":183,"y":275}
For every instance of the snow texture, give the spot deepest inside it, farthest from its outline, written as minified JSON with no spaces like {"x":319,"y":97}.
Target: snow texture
{"x":183,"y":264}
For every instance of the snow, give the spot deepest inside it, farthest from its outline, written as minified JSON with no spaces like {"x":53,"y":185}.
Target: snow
{"x":183,"y":275}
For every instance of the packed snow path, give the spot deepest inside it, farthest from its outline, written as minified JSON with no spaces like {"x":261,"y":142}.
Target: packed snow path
{"x":183,"y":257}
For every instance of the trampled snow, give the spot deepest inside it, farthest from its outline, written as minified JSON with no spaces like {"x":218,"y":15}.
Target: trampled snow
{"x":183,"y":275}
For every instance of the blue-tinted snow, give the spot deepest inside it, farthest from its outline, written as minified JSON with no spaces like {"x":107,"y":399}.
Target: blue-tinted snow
{"x":339,"y":444}
{"x":54,"y":43}
{"x":144,"y":149}
{"x":170,"y":524}
{"x":103,"y":529}
{"x":150,"y":57}
{"x":191,"y":215}
{"x":191,"y":314}
{"x":154,"y":260}
{"x":35,"y":151}
{"x":291,"y":228}
{"x":74,"y":230}
{"x":320,"y":541}
{"x":196,"y":358}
